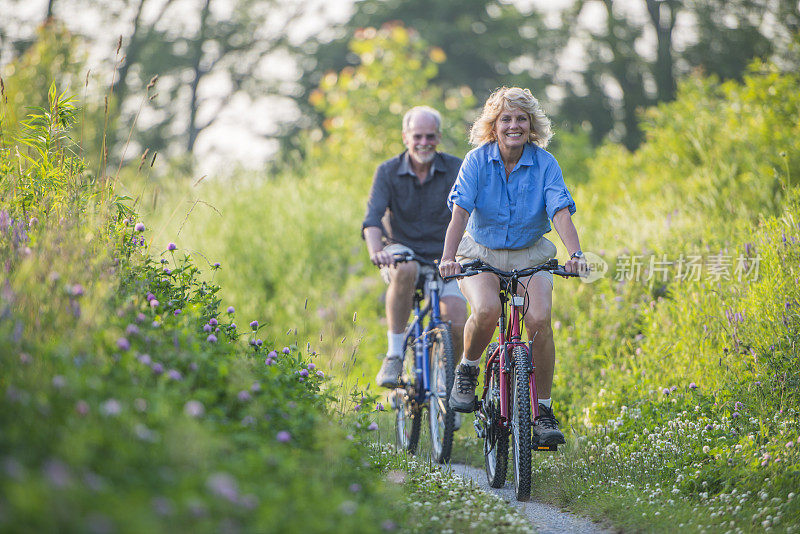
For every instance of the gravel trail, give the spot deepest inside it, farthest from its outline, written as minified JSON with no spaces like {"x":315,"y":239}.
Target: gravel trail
{"x":545,"y":518}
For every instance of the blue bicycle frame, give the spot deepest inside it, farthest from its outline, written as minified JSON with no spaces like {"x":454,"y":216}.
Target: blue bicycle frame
{"x":415,"y":332}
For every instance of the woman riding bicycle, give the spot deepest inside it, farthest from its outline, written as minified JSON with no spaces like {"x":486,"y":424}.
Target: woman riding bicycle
{"x":507,"y":189}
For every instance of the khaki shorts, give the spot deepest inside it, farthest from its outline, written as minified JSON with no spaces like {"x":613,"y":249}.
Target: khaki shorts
{"x":450,"y":288}
{"x":508,"y":259}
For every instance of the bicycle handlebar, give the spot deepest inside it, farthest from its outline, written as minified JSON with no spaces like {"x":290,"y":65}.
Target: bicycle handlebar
{"x":400,"y":257}
{"x":474,"y":267}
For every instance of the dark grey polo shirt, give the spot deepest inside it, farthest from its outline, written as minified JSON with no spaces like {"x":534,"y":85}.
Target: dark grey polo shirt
{"x":417,"y":213}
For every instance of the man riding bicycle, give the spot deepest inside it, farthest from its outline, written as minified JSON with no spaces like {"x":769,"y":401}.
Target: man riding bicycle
{"x":409,"y":192}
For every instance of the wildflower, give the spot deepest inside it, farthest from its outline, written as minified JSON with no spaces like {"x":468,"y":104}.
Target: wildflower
{"x":172,"y":246}
{"x":177,"y":312}
{"x":154,"y":303}
{"x":123,"y":344}
{"x":272,"y":354}
{"x":320,"y":374}
{"x":389,"y":525}
{"x":243,"y":395}
{"x":111,"y":407}
{"x":757,"y":383}
{"x":76,"y":290}
{"x":233,"y":326}
{"x":139,"y":227}
{"x":144,"y":358}
{"x":737,"y":405}
{"x":164,"y":261}
{"x":213,"y":322}
{"x":223,"y":485}
{"x":174,"y":375}
{"x":373,"y":426}
{"x":231,"y":309}
{"x":216,"y":265}
{"x":211,"y":338}
{"x":150,"y":297}
{"x":734,"y":415}
{"x":132,"y":330}
{"x":193,"y":366}
{"x":673,"y":388}
{"x":355,"y":488}
{"x":692,"y":386}
{"x":379,"y":407}
{"x":304,"y":372}
{"x":789,"y":445}
{"x":706,"y":449}
{"x":269,"y":361}
{"x":286,"y":350}
{"x":311,"y":366}
{"x":194,"y":408}
{"x":157,"y":368}
{"x":207,"y":328}
{"x":167,"y":271}
{"x":665,"y":391}
{"x":256,"y":387}
{"x":59,"y":382}
{"x":259,"y":342}
{"x":57,"y":473}
{"x":254,"y":325}
{"x":283,"y":436}
{"x":82,"y":407}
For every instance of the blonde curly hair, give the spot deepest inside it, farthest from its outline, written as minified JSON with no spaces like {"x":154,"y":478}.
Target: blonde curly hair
{"x":482,"y":131}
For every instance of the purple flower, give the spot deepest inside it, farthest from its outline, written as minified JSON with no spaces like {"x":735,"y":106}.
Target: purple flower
{"x":379,"y":407}
{"x":177,"y":311}
{"x":283,"y":436}
{"x":207,"y":328}
{"x":304,"y":372}
{"x":737,"y":405}
{"x":373,"y":426}
{"x":217,"y":265}
{"x":269,"y":361}
{"x":145,"y":359}
{"x":223,"y":485}
{"x":111,"y":407}
{"x":140,"y":317}
{"x":757,"y":383}
{"x":734,"y":415}
{"x":286,"y":350}
{"x":150,"y":297}
{"x":123,"y":344}
{"x":254,"y":325}
{"x":82,"y":407}
{"x":673,"y":388}
{"x":157,"y":368}
{"x":709,"y":426}
{"x":301,"y":379}
{"x":665,"y":391}
{"x":174,"y":375}
{"x":272,"y":354}
{"x":172,"y":246}
{"x":59,"y":381}
{"x":163,"y":260}
{"x":692,"y":386}
{"x":154,"y":303}
{"x":256,"y":387}
{"x":355,"y":488}
{"x":233,"y":326}
{"x":167,"y":271}
{"x":244,"y":395}
{"x":76,"y":290}
{"x":211,"y":338}
{"x":132,"y":330}
{"x":259,"y":342}
{"x":311,"y":366}
{"x":139,"y":227}
{"x":320,"y":374}
{"x":193,"y":366}
{"x":231,"y":309}
{"x":193,"y":408}
{"x":213,"y":322}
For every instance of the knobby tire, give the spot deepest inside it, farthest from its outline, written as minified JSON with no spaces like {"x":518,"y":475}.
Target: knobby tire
{"x":521,"y":423}
{"x":495,"y":441}
{"x":442,"y":422}
{"x":408,"y":416}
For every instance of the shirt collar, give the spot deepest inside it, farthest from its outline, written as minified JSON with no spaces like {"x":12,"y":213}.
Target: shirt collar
{"x":528,"y":154}
{"x":405,"y":165}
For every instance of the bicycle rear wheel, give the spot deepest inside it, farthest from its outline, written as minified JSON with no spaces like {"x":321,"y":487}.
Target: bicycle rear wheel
{"x":521,"y":423}
{"x":495,"y":437}
{"x":442,"y":373}
{"x":408,"y":416}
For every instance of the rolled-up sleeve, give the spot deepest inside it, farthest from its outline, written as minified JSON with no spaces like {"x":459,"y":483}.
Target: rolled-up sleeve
{"x":379,"y":195}
{"x":465,"y":189}
{"x":556,"y":195}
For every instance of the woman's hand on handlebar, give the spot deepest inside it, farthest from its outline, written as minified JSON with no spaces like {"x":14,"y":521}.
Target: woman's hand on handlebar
{"x":449,"y":267}
{"x":577,"y":265}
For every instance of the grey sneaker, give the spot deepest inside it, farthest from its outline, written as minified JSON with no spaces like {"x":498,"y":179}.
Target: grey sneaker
{"x":462,"y":397}
{"x":389,"y":375}
{"x":545,"y":428}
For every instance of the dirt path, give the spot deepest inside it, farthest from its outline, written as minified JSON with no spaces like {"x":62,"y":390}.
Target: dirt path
{"x":545,"y":518}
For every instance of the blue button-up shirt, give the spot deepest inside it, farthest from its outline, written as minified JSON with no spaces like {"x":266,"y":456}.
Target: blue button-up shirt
{"x":513,"y":213}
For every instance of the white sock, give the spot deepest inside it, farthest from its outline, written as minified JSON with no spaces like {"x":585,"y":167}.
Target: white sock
{"x":546,"y":402}
{"x":395,"y":343}
{"x":471,"y":363}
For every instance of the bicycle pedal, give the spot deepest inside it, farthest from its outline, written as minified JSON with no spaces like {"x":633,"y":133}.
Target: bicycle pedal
{"x":543,"y":448}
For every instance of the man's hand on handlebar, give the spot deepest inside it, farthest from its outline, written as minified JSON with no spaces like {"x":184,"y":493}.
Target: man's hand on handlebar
{"x":382,"y":258}
{"x":449,"y":267}
{"x":577,"y":265}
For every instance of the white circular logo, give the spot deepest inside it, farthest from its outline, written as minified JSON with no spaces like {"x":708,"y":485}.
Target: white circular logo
{"x":597,"y":267}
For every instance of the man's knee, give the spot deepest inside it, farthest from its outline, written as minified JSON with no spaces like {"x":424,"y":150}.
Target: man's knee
{"x":540,"y":325}
{"x":486,"y":314}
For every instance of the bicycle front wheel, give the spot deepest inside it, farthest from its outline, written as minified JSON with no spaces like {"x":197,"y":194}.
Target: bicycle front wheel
{"x":408,"y":415}
{"x":442,"y":373}
{"x":521,"y":423}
